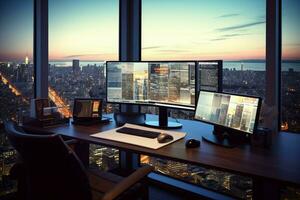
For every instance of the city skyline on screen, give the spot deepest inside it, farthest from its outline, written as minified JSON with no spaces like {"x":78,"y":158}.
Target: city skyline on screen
{"x":232,"y":111}
{"x":151,"y":82}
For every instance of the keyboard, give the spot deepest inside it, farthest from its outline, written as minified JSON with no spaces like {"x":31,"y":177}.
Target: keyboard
{"x":138,"y":132}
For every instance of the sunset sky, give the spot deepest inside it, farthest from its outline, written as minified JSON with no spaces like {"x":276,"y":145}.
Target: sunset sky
{"x":171,"y":29}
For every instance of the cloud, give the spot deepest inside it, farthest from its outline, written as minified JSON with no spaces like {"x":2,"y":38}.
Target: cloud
{"x":83,"y":55}
{"x":218,"y":39}
{"x":234,"y":35}
{"x":151,"y":47}
{"x":173,"y":51}
{"x":228,"y":36}
{"x":228,"y":15}
{"x":229,"y":28}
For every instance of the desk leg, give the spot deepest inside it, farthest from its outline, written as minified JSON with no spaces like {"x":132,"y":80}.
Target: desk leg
{"x":82,"y":150}
{"x":266,"y":189}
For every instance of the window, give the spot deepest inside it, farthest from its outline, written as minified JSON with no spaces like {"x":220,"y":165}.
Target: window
{"x":82,"y":36}
{"x":209,"y":30}
{"x":16,"y":76}
{"x":290,"y":67}
{"x":177,"y":30}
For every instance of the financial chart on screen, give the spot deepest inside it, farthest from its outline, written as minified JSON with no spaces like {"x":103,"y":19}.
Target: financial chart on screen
{"x":153,"y":83}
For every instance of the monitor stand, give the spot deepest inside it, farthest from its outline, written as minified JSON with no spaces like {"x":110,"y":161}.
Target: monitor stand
{"x":129,"y":114}
{"x":163,"y":122}
{"x":225,"y":137}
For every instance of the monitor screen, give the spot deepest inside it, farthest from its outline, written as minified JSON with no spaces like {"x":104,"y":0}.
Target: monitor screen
{"x":231,"y":111}
{"x":87,"y":108}
{"x":210,"y":75}
{"x":170,"y":84}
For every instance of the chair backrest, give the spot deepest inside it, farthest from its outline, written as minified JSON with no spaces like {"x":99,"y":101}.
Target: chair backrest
{"x":52,"y":170}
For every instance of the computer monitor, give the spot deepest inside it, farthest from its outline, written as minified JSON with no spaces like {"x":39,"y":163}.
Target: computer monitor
{"x":85,"y":109}
{"x":233,"y":116}
{"x":209,"y":75}
{"x":165,"y":84}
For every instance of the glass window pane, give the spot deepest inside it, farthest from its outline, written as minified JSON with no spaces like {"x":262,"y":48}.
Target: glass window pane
{"x":234,"y":32}
{"x":83,"y":34}
{"x":16,"y":76}
{"x":198,"y":30}
{"x":290,"y":67}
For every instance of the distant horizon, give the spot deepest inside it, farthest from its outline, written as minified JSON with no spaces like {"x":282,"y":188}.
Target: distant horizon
{"x":94,"y":60}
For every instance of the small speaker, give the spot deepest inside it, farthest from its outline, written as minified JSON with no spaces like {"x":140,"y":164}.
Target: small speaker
{"x":262,"y":137}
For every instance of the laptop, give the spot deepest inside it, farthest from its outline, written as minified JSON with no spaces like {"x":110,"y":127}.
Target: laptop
{"x":87,"y":111}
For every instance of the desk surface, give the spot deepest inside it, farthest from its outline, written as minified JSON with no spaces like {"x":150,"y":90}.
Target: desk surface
{"x":280,"y":162}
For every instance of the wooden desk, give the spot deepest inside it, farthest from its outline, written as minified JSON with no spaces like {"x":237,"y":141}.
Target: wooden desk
{"x":279,"y":164}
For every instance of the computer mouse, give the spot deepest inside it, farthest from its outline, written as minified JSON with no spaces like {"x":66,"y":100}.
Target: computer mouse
{"x":164,"y":137}
{"x":192,"y":143}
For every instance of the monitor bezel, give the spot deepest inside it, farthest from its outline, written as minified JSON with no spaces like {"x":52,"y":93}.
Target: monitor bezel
{"x":156,"y":104}
{"x":229,"y":128}
{"x":91,"y":99}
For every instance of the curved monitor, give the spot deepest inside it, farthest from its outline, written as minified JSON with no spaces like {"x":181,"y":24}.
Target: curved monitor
{"x":228,"y":110}
{"x":162,"y":83}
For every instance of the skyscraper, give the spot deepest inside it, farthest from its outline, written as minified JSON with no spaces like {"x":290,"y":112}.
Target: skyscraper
{"x":76,"y":66}
{"x":26,"y":60}
{"x":174,"y":84}
{"x":127,"y":86}
{"x":236,"y":120}
{"x":158,"y":77}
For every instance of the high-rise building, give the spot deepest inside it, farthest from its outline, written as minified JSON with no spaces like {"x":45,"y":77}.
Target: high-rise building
{"x":223,"y":113}
{"x":236,"y":120}
{"x":145,"y":89}
{"x":76,"y":66}
{"x":174,"y":84}
{"x":215,"y":111}
{"x":26,"y":60}
{"x":127,"y":86}
{"x":114,"y":90}
{"x":158,"y":77}
{"x":137,"y":89}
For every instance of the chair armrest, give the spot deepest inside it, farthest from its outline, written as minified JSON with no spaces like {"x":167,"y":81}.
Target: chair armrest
{"x":126,"y":183}
{"x":71,"y":141}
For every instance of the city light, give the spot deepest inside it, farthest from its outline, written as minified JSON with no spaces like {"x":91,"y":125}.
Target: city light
{"x":11,"y":86}
{"x":57,"y":100}
{"x":61,"y":105}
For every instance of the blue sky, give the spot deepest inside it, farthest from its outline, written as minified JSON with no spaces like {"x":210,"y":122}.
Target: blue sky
{"x":171,"y":29}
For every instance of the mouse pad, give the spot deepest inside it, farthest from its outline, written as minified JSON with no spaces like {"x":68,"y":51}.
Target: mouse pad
{"x":137,"y":140}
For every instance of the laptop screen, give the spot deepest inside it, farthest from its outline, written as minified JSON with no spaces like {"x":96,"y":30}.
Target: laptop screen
{"x":87,"y":108}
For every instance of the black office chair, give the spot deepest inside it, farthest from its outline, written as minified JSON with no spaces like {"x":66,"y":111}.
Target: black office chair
{"x":50,"y":170}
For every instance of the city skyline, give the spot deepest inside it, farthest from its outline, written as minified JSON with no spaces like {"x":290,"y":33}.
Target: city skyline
{"x":237,"y":34}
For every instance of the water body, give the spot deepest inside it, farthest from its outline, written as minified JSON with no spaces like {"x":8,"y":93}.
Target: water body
{"x":237,"y":65}
{"x":259,"y":66}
